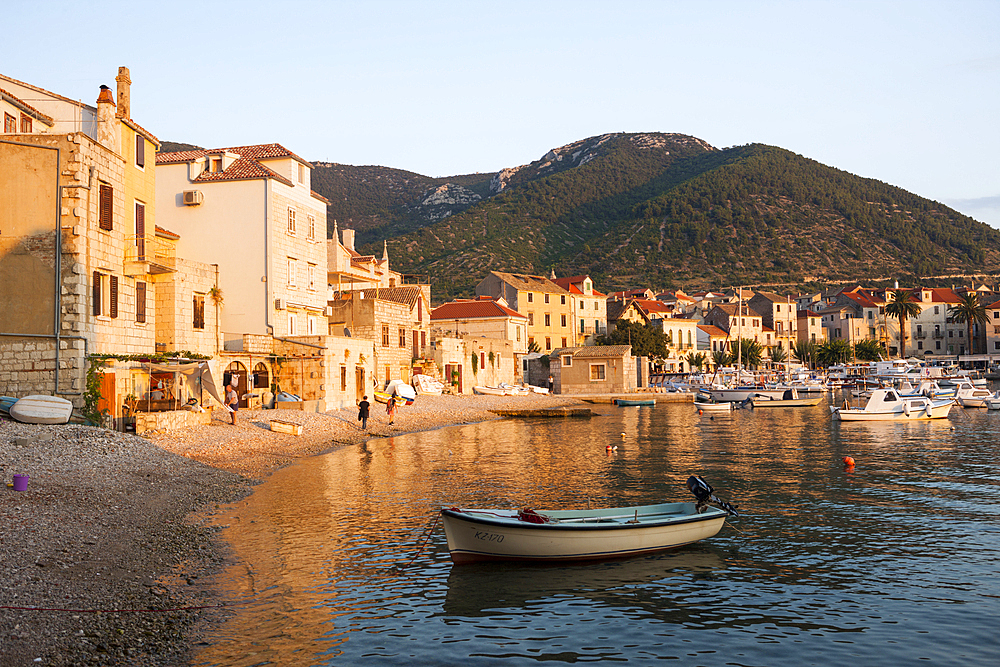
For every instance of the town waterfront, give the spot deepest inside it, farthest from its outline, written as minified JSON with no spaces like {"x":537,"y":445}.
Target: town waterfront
{"x":894,"y":561}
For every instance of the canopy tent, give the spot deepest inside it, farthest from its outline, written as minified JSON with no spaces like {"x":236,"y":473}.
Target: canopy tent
{"x":197,"y":376}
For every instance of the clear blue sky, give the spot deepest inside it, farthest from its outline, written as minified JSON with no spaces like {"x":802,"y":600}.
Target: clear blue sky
{"x":904,"y":92}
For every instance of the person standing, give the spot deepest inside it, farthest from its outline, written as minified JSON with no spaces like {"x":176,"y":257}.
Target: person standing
{"x":363,"y":408}
{"x":390,"y":408}
{"x":232,"y":402}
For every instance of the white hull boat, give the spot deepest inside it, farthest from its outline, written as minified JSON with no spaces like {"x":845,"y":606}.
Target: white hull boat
{"x":568,"y":535}
{"x":488,"y":391}
{"x":889,"y":405}
{"x":705,"y":406}
{"x":969,"y":395}
{"x":740,"y":394}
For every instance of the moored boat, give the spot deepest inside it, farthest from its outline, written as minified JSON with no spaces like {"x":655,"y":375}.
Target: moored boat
{"x":632,"y":402}
{"x":790,"y":399}
{"x":889,"y":405}
{"x":488,"y":391}
{"x":592,"y":534}
{"x":742,"y":393}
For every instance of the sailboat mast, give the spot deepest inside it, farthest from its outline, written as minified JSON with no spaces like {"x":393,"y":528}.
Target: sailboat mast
{"x":739,"y":338}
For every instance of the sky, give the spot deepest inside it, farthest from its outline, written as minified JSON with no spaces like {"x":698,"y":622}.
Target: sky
{"x":904,"y":92}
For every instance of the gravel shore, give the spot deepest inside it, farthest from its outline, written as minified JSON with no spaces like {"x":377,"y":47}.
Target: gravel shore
{"x":103,"y":552}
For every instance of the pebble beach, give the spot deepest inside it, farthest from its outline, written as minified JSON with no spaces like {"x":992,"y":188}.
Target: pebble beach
{"x":104,"y":550}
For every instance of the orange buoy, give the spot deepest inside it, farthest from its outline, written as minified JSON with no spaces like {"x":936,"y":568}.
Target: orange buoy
{"x":700,"y":411}
{"x":849,"y":461}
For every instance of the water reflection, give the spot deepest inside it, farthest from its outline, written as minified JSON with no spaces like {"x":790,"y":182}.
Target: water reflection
{"x":825,"y":563}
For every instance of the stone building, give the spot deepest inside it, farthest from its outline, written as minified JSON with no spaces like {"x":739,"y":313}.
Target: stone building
{"x":481,"y":317}
{"x":607,"y":369}
{"x":548,"y":307}
{"x":589,"y":309}
{"x":251,"y":211}
{"x":77,"y":249}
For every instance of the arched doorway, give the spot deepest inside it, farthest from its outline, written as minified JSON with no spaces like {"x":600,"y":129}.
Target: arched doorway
{"x":236,"y":374}
{"x":261,"y":376}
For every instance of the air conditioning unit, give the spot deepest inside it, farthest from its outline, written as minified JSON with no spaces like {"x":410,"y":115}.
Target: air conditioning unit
{"x":193,"y":197}
{"x":328,"y":311}
{"x":280,"y":304}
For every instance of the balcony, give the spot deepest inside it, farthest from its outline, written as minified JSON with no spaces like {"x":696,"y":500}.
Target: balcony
{"x":148,"y":254}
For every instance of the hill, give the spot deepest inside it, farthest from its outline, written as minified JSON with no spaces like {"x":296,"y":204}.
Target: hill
{"x":659,"y":210}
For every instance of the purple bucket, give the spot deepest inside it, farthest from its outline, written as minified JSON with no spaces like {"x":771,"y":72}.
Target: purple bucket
{"x":20,"y":482}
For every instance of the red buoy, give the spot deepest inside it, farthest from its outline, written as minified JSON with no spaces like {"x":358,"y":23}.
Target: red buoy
{"x":849,"y":461}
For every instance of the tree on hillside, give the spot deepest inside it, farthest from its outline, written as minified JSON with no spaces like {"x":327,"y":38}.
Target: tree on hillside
{"x":902,"y":305}
{"x":646,"y":340}
{"x":971,"y":311}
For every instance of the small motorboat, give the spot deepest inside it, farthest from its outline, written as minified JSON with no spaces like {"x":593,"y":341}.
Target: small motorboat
{"x":632,"y":402}
{"x":706,"y":403}
{"x":790,"y":399}
{"x":889,"y":405}
{"x":969,"y":395}
{"x":579,"y":535}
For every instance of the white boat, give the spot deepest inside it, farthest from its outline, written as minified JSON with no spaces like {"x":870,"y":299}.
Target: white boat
{"x":889,"y":405}
{"x":488,"y":391}
{"x":709,"y":406}
{"x":790,"y":399}
{"x":969,"y":395}
{"x":426,"y":385}
{"x":538,"y":390}
{"x":40,"y":409}
{"x":561,"y":535}
{"x":993,"y":404}
{"x":514,"y":390}
{"x":740,"y":394}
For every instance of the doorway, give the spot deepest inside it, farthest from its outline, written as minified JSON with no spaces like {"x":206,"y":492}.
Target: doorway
{"x":236,"y":374}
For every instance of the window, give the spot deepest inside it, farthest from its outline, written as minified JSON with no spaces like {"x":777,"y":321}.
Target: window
{"x":531,"y":341}
{"x":198,"y":308}
{"x":302,"y":173}
{"x":562,"y":321}
{"x":564,"y":341}
{"x":105,"y":301}
{"x":548,"y":320}
{"x":9,"y":124}
{"x":402,"y":337}
{"x":581,"y":304}
{"x":215,"y":164}
{"x":311,"y":326}
{"x":140,"y":151}
{"x":567,"y":360}
{"x":343,"y":378}
{"x":597,"y":372}
{"x":140,"y":231}
{"x":106,"y":197}
{"x":311,"y":229}
{"x":292,"y":270}
{"x":562,"y":299}
{"x":548,"y":343}
{"x":546,"y":298}
{"x":531,"y":297}
{"x":583,"y":326}
{"x":482,"y":360}
{"x":531,"y":319}
{"x":385,"y":335}
{"x":517,"y":332}
{"x":25,"y":124}
{"x":311,"y":269}
{"x":291,"y":221}
{"x":293,"y":324}
{"x":936,"y":308}
{"x":596,"y":306}
{"x":140,"y":302}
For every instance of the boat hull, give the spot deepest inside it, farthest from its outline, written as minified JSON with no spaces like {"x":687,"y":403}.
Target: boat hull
{"x":934,"y":411}
{"x":785,"y":403}
{"x":714,"y":407}
{"x":738,"y":395}
{"x":41,"y":409}
{"x":631,"y":402}
{"x":477,"y":535}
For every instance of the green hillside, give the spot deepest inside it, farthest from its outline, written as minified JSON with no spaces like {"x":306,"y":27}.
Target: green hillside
{"x":658,"y":210}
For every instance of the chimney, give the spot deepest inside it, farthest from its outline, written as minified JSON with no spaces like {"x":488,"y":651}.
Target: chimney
{"x":348,"y":238}
{"x":108,"y":131}
{"x":124,"y":103}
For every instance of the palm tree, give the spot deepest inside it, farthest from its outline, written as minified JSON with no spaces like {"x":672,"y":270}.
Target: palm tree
{"x":778,"y":355}
{"x":805,"y":352}
{"x":971,"y":311}
{"x":836,"y":351}
{"x":696,"y":360}
{"x":751,"y":352}
{"x":721,"y":358}
{"x":902,"y":304}
{"x":868,"y":350}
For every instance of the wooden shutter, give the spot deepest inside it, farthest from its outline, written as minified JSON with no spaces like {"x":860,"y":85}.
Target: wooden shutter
{"x":97,"y":293}
{"x":140,"y":302}
{"x":114,"y":296}
{"x":140,"y":231}
{"x":106,"y":206}
{"x":140,"y":151}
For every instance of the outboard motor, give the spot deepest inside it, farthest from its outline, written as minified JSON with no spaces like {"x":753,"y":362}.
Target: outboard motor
{"x":705,"y":494}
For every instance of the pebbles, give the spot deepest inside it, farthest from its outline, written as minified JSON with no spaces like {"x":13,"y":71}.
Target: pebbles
{"x":109,"y":523}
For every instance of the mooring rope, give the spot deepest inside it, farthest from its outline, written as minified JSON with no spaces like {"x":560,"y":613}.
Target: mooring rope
{"x":426,"y":537}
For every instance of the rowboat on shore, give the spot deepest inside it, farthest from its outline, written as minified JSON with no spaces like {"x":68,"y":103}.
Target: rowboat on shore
{"x":485,"y":390}
{"x":579,"y":535}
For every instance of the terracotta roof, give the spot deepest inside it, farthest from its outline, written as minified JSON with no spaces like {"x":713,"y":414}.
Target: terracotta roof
{"x":713,"y":330}
{"x":27,"y":108}
{"x":247,"y":166}
{"x":462,"y":309}
{"x":730,"y":309}
{"x":653,"y":306}
{"x":242,"y":169}
{"x":141,"y":130}
{"x":404,"y":294}
{"x":166,"y":233}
